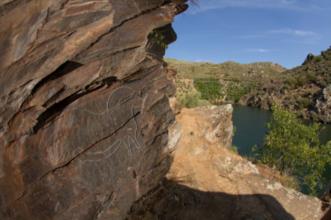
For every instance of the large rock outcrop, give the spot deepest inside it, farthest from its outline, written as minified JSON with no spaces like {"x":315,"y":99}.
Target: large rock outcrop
{"x":84,"y":108}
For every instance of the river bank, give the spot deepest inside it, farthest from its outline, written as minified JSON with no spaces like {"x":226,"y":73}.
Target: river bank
{"x":251,"y":128}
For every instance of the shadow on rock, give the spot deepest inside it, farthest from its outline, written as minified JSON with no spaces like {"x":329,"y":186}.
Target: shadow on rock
{"x":327,"y":215}
{"x":173,"y":201}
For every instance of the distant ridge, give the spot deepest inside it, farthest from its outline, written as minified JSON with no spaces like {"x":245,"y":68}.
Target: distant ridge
{"x":305,"y":89}
{"x":229,"y":68}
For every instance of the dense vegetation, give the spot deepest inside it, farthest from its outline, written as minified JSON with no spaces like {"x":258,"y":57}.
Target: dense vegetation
{"x":294,"y":149}
{"x":187,"y":95}
{"x":209,"y":88}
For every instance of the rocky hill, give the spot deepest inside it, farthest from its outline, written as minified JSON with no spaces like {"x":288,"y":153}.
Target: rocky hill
{"x":209,"y":181}
{"x":84,"y":109}
{"x":305,"y":89}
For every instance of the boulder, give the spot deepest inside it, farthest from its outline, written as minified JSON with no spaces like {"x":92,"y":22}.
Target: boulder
{"x":84,"y":110}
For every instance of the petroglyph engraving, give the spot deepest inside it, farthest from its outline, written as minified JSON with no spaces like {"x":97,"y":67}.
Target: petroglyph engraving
{"x":129,"y":137}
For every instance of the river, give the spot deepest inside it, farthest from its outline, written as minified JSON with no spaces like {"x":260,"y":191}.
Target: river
{"x":251,"y":128}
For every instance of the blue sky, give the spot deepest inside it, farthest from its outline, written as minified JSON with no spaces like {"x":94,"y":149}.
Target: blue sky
{"x":280,"y":31}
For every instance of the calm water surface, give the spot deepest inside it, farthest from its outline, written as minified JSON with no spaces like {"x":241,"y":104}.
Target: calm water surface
{"x":251,"y":128}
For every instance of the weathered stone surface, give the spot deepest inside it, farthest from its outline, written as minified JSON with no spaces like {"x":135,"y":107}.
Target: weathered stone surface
{"x":323,"y":105}
{"x":209,"y":123}
{"x":84,"y":110}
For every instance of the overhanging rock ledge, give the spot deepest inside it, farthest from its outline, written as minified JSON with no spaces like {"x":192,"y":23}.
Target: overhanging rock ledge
{"x":84,"y":110}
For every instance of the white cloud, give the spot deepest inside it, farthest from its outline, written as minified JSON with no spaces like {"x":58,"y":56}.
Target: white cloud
{"x":294,"y":32}
{"x":258,"y":50}
{"x":252,"y":36}
{"x":205,"y":5}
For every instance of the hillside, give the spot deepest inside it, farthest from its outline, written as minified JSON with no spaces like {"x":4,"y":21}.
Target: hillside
{"x":228,"y":70}
{"x":221,"y":83}
{"x":305,"y":89}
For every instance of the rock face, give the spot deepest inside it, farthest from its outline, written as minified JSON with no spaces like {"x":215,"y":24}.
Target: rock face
{"x":84,"y":108}
{"x":209,"y":181}
{"x":212,"y":124}
{"x":323,"y":105}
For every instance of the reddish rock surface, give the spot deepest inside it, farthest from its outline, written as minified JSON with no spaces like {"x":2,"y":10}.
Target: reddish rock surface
{"x":84,"y":109}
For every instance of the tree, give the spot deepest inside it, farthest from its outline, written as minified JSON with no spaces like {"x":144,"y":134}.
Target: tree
{"x":294,"y":149}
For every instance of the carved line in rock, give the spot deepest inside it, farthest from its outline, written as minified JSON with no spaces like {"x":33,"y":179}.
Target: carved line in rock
{"x":125,"y":137}
{"x":130,"y":140}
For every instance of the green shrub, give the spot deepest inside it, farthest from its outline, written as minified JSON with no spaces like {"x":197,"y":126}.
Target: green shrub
{"x":191,"y":100}
{"x":237,"y":90}
{"x":291,"y":82}
{"x":303,"y":102}
{"x":294,"y":149}
{"x":300,"y":81}
{"x":209,"y":88}
{"x":318,"y":58}
{"x":159,"y":38}
{"x":187,"y":95}
{"x":311,"y":77}
{"x":234,"y":149}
